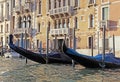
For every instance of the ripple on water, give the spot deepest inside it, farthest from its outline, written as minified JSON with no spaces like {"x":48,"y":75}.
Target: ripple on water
{"x":15,"y":70}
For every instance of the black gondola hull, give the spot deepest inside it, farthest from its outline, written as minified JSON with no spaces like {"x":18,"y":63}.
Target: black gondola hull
{"x":88,"y":61}
{"x":40,"y":58}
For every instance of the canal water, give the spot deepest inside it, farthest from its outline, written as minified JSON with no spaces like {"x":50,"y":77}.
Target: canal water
{"x":16,"y":70}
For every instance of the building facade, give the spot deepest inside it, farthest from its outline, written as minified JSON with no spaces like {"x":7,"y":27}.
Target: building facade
{"x":79,"y":22}
{"x":5,"y":22}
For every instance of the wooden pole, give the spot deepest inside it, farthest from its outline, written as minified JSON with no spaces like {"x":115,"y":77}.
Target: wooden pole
{"x":40,"y":48}
{"x":98,"y":43}
{"x":103,"y":56}
{"x":47,"y":45}
{"x":113,"y":44}
{"x":2,"y":48}
{"x":26,"y":43}
{"x":74,"y":45}
{"x":92,"y":45}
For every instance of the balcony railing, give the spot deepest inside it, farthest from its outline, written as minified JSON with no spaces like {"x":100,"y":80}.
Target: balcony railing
{"x":22,"y":30}
{"x":104,"y":23}
{"x":27,"y":7}
{"x":61,"y":10}
{"x":17,"y":9}
{"x":60,"y":31}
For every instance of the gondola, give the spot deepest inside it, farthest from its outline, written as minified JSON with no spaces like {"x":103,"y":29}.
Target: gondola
{"x":110,"y":61}
{"x":40,"y":58}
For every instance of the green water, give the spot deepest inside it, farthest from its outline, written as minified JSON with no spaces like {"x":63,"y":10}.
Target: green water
{"x":15,"y":70}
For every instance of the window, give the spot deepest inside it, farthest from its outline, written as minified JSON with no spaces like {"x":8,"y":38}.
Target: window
{"x":49,"y":4}
{"x":64,"y":2}
{"x":13,"y":3}
{"x":1,"y":30}
{"x":29,"y":21}
{"x":39,"y":12}
{"x":24,"y":22}
{"x":19,"y":22}
{"x":91,"y":1}
{"x":1,"y":12}
{"x":76,"y":3}
{"x":55,"y":24}
{"x":68,"y":23}
{"x":13,"y":21}
{"x":1,"y":39}
{"x":7,"y":10}
{"x":64,"y":24}
{"x":91,"y":21}
{"x":7,"y":28}
{"x":105,"y":13}
{"x":48,"y":26}
{"x":55,"y":4}
{"x":37,"y":43}
{"x":68,"y":2}
{"x":90,"y":41}
{"x":76,"y":22}
{"x":7,"y":39}
{"x":60,"y":24}
{"x":39,"y":27}
{"x":59,"y":3}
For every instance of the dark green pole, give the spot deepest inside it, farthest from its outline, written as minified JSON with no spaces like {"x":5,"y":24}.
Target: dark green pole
{"x":2,"y":48}
{"x":74,"y":45}
{"x":47,"y":45}
{"x":103,"y":56}
{"x":98,"y":43}
{"x":26,"y":43}
{"x":113,"y":44}
{"x":92,"y":45}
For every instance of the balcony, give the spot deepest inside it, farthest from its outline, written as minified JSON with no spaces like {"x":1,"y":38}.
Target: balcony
{"x":104,"y":23}
{"x":17,"y":9}
{"x":27,"y":7}
{"x":60,"y":31}
{"x":22,"y":30}
{"x":61,"y":10}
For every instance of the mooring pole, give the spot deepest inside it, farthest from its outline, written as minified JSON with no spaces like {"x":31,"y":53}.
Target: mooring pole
{"x":74,"y":45}
{"x":103,"y":56}
{"x":2,"y":48}
{"x":65,"y":38}
{"x":113,"y":44}
{"x":47,"y":45}
{"x":26,"y":43}
{"x":92,"y":45}
{"x":40,"y":48}
{"x":98,"y":42}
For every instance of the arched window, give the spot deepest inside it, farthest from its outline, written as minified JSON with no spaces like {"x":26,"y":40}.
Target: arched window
{"x":38,"y":27}
{"x":91,"y":21}
{"x":76,"y":3}
{"x":24,"y":22}
{"x":49,"y":4}
{"x":64,"y":2}
{"x":68,"y":23}
{"x":1,"y":39}
{"x":55,"y":24}
{"x":64,"y":24}
{"x":19,"y":22}
{"x":29,"y":21}
{"x":39,"y":7}
{"x":7,"y":40}
{"x":76,"y":22}
{"x":48,"y":26}
{"x":59,"y":3}
{"x":55,"y":4}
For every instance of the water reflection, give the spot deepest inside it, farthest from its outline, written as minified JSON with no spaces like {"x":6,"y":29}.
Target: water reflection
{"x":15,"y":70}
